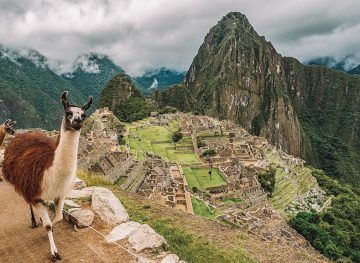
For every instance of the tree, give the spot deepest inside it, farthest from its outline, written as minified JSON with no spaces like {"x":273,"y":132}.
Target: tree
{"x":267,"y":180}
{"x":208,"y":153}
{"x":176,"y":136}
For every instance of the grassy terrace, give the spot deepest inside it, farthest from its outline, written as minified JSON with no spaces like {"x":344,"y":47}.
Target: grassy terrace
{"x":157,"y":139}
{"x":199,"y":177}
{"x":289,"y":185}
{"x":201,"y":209}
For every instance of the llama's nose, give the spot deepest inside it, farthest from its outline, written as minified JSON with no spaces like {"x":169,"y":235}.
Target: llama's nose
{"x":77,"y":119}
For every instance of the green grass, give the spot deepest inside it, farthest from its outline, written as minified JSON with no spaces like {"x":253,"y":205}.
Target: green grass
{"x":199,"y":177}
{"x":157,"y":139}
{"x":201,"y":209}
{"x":189,"y":242}
{"x":92,"y":179}
{"x":120,"y":180}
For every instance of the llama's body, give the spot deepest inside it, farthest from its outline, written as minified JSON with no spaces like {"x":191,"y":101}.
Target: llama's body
{"x":42,"y":169}
{"x":27,"y":158}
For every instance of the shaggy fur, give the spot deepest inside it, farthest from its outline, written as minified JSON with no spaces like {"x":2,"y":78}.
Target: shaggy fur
{"x":2,"y":135}
{"x":25,"y":161}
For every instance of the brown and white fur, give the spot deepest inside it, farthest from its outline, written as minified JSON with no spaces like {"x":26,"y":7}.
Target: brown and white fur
{"x":42,"y":169}
{"x":5,"y":128}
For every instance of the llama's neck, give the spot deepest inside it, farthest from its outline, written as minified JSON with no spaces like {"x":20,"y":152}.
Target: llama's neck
{"x":67,"y":150}
{"x":2,"y":135}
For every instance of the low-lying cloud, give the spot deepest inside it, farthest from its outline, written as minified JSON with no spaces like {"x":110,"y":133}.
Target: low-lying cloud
{"x":144,"y":34}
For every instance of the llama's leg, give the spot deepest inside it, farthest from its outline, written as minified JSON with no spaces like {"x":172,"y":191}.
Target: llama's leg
{"x":48,"y":226}
{"x":59,"y":211}
{"x":33,"y":220}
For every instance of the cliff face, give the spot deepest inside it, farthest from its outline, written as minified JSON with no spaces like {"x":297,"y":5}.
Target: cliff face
{"x":238,"y":75}
{"x":328,"y":105}
{"x":309,"y":111}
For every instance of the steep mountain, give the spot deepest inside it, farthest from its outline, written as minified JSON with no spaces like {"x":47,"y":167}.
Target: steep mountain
{"x":91,"y":72}
{"x":158,"y":79}
{"x":354,"y":71}
{"x":30,"y":90}
{"x":122,"y":97}
{"x":238,"y":75}
{"x":309,"y":111}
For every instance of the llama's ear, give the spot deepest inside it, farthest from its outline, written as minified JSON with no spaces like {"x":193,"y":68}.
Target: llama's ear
{"x":64,"y":100}
{"x":9,"y":123}
{"x":88,"y":104}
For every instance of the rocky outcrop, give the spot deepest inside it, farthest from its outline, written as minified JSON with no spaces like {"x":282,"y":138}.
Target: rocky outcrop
{"x":139,"y":236}
{"x":171,"y":258}
{"x":83,"y":193}
{"x":107,"y":206}
{"x":82,"y":217}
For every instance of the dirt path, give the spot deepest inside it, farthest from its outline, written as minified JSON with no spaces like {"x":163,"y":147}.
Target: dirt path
{"x":20,"y":243}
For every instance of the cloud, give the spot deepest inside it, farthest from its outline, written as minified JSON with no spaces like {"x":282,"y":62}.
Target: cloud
{"x":143,"y":34}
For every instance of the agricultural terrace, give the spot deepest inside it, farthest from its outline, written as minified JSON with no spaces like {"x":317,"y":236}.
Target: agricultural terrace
{"x":201,"y":209}
{"x":156,"y":139}
{"x":289,"y":185}
{"x":199,"y":177}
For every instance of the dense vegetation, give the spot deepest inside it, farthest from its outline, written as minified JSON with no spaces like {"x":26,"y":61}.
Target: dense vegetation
{"x":336,"y":231}
{"x":267,"y":180}
{"x":176,"y":136}
{"x":176,"y":96}
{"x":29,"y":93}
{"x":125,"y":100}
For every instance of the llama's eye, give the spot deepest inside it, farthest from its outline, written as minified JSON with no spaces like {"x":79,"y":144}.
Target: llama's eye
{"x":83,"y":116}
{"x":69,"y":114}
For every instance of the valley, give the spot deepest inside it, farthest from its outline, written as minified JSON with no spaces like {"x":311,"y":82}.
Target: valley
{"x":148,"y":163}
{"x":249,"y":156}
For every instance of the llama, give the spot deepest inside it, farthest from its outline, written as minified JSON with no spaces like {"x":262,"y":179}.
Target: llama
{"x":6,"y":129}
{"x":42,"y":169}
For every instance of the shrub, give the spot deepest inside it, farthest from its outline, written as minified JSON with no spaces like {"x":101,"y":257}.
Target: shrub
{"x":208,"y":153}
{"x":176,"y":136}
{"x":267,"y":180}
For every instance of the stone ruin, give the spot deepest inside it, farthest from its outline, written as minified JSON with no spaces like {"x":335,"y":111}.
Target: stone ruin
{"x":166,"y":183}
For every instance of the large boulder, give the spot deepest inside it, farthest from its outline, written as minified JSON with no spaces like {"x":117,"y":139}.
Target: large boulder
{"x":171,"y":258}
{"x":108,"y":207}
{"x":122,"y":231}
{"x":139,"y":236}
{"x":83,"y":193}
{"x":145,"y":237}
{"x":82,"y":218}
{"x":71,"y":203}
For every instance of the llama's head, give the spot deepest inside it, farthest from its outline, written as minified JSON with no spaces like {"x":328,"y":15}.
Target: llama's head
{"x":6,"y":126}
{"x":74,"y":115}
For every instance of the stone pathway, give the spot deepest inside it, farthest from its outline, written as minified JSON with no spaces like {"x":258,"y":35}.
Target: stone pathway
{"x":20,"y":243}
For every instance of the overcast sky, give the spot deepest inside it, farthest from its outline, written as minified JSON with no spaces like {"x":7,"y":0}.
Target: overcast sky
{"x":143,"y":34}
